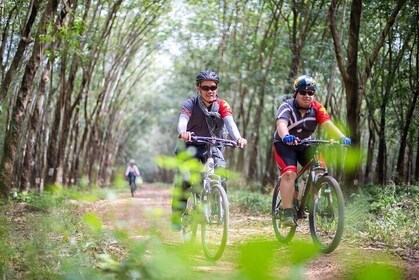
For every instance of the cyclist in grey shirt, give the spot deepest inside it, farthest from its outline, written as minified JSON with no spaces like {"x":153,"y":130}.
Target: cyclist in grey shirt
{"x":204,"y":115}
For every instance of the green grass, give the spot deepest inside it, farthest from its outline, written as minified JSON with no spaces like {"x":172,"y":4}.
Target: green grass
{"x":385,"y":214}
{"x":56,"y":236}
{"x":250,"y":202}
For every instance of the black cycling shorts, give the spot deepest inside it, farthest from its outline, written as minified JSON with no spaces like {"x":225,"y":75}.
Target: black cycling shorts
{"x":287,"y":156}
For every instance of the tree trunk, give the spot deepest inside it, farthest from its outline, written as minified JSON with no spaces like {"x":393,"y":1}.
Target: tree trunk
{"x":25,"y":40}
{"x":12,"y":135}
{"x":382,"y":148}
{"x":354,"y":88}
{"x":370,"y":151}
{"x":33,"y":128}
{"x":403,"y":141}
{"x":416,"y":177}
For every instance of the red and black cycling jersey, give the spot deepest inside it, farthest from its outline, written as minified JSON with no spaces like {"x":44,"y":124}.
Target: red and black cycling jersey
{"x":299,"y":126}
{"x":197,"y":122}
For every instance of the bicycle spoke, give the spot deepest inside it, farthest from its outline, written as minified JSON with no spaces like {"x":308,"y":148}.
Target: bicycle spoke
{"x":215,"y":224}
{"x":327,"y":215}
{"x":283,"y":233}
{"x":189,"y":221}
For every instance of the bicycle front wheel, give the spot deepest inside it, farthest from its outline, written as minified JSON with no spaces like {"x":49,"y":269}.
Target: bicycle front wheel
{"x":283,"y":234}
{"x":215,"y":223}
{"x":327,"y":214}
{"x":133,"y":187}
{"x":189,"y":220}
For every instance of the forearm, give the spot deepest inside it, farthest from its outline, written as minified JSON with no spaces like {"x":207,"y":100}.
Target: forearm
{"x":232,"y":128}
{"x":182,"y":123}
{"x":332,"y":129}
{"x":282,"y":128}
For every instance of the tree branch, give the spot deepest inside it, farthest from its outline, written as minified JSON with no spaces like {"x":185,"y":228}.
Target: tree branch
{"x":336,"y":40}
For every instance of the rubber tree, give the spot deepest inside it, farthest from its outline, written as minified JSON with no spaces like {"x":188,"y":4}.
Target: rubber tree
{"x":22,"y":100}
{"x":355,"y":78}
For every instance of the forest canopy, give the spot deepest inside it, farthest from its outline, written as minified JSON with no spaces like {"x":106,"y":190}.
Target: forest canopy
{"x":87,"y":85}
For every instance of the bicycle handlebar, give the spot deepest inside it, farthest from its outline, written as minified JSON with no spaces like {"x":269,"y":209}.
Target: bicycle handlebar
{"x":213,"y":141}
{"x":314,"y":142}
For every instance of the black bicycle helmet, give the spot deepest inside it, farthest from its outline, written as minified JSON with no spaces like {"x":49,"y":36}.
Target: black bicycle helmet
{"x":207,"y":75}
{"x":304,"y":82}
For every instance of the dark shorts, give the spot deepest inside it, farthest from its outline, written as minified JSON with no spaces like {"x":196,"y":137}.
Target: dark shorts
{"x":197,"y":151}
{"x":287,"y":156}
{"x":201,"y":153}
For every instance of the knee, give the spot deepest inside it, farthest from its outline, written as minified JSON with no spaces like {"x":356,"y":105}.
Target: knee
{"x":289,"y":176}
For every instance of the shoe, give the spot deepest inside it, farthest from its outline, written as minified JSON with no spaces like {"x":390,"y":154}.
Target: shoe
{"x":288,"y":218}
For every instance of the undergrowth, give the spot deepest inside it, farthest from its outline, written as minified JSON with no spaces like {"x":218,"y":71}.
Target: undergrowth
{"x":385,"y":214}
{"x":43,"y":236}
{"x":250,"y":202}
{"x":59,"y":236}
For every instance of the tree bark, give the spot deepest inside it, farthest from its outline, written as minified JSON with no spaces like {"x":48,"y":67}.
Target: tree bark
{"x":12,"y":135}
{"x":416,"y":177}
{"x":34,"y":123}
{"x":24,"y":41}
{"x":370,"y":151}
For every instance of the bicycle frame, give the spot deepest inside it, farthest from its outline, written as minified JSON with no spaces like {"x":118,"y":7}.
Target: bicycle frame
{"x":209,"y":178}
{"x":317,"y":169}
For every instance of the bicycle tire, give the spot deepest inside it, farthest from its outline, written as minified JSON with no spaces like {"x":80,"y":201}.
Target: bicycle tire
{"x":190,"y":220}
{"x":133,"y":187}
{"x":217,"y":223}
{"x":283,"y":234}
{"x":326,"y":228}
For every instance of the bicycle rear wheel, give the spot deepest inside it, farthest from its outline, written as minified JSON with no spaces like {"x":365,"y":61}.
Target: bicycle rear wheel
{"x":283,"y":234}
{"x":189,"y":220}
{"x":327,"y":214}
{"x":215,"y":223}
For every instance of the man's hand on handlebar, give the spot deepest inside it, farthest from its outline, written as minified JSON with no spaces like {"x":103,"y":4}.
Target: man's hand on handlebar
{"x":241,"y":143}
{"x":186,"y":135}
{"x":291,"y":139}
{"x":345,"y":141}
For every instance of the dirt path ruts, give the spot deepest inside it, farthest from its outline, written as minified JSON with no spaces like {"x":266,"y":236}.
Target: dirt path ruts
{"x":151,"y":208}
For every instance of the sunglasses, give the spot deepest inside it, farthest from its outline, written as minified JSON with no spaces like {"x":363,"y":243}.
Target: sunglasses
{"x":303,"y":93}
{"x":207,"y":88}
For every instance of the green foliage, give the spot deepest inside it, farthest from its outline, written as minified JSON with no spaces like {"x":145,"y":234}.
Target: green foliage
{"x":66,"y":241}
{"x":39,"y":202}
{"x":386,"y":214}
{"x":184,"y":163}
{"x":377,"y":271}
{"x":36,"y":244}
{"x":251,"y":202}
{"x":256,"y":259}
{"x":93,"y":220}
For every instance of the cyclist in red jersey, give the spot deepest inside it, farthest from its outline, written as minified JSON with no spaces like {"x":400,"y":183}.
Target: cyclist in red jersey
{"x":204,"y":115}
{"x":297,"y":119}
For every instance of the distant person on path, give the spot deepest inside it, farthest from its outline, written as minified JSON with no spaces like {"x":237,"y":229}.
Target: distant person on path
{"x":203,"y":115}
{"x":297,"y":119}
{"x":132,"y":172}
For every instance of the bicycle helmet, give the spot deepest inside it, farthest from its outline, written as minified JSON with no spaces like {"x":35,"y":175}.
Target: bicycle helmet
{"x":207,"y":75}
{"x":131,"y":161}
{"x":304,"y":82}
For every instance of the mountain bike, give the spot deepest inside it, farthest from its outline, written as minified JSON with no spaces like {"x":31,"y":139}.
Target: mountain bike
{"x":321,"y":195}
{"x":208,"y":205}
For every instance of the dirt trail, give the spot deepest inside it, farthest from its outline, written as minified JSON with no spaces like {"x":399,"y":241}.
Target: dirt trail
{"x":151,"y":208}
